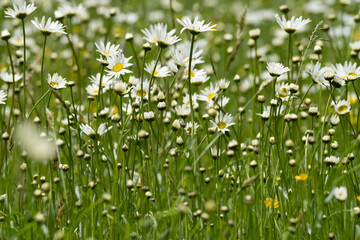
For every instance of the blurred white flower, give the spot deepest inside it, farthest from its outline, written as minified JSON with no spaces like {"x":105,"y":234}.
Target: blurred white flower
{"x":38,"y":148}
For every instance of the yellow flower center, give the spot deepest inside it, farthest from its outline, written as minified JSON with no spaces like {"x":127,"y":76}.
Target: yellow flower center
{"x":192,"y":74}
{"x":211,"y":95}
{"x":106,"y":53}
{"x":118,"y":67}
{"x":154,"y":40}
{"x":221,"y":125}
{"x":139,"y":93}
{"x":156,"y":73}
{"x":342,"y":109}
{"x":53,"y":83}
{"x":95,"y":91}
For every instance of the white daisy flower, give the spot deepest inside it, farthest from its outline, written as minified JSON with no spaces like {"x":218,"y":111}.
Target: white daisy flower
{"x":3,"y":96}
{"x":221,"y":102}
{"x":197,"y":76}
{"x":283,"y":91}
{"x":222,"y":122}
{"x":348,"y":71}
{"x":340,"y":193}
{"x":317,"y":74}
{"x":180,"y":54}
{"x":223,"y":84}
{"x":107,"y":50}
{"x":91,"y":132}
{"x":190,"y":129}
{"x":117,"y":65}
{"x":197,"y":26}
{"x":292,"y":25}
{"x":8,"y":77}
{"x":194,"y":98}
{"x":106,"y":81}
{"x":276,"y":69}
{"x":56,"y":81}
{"x":158,"y":34}
{"x":355,"y":46}
{"x":182,"y":110}
{"x":137,"y":93}
{"x":92,"y":90}
{"x":342,"y":107}
{"x":331,"y":160}
{"x":20,"y":11}
{"x":68,"y":10}
{"x":160,"y":71}
{"x":209,"y":94}
{"x":48,"y":27}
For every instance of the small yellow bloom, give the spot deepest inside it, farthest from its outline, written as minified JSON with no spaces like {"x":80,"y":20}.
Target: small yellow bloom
{"x":278,"y":179}
{"x":358,"y":198}
{"x":269,"y":202}
{"x":301,"y":177}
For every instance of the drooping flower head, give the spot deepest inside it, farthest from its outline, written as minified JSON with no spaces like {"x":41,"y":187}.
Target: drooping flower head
{"x":48,"y":27}
{"x":292,"y":25}
{"x":21,"y":11}
{"x":159,"y":35}
{"x":276,"y":69}
{"x":197,"y":26}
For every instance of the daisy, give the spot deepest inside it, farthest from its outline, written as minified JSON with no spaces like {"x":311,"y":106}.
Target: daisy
{"x":180,"y":54}
{"x":332,"y":160}
{"x":48,"y":27}
{"x":197,"y":76}
{"x":347,"y":72}
{"x":21,"y":11}
{"x":92,"y":90}
{"x":342,"y":107}
{"x":222,"y":122}
{"x":8,"y":77}
{"x":56,"y":81}
{"x":106,"y":81}
{"x":107,"y":50}
{"x":194,"y":98}
{"x":355,"y":46}
{"x":3,"y":96}
{"x":276,"y":69}
{"x":340,"y":193}
{"x":209,"y":94}
{"x":70,"y":11}
{"x":317,"y":74}
{"x":223,"y":84}
{"x":138,"y":94}
{"x":197,"y":26}
{"x":158,"y":34}
{"x":117,"y":65}
{"x":182,"y":110}
{"x":190,"y":129}
{"x":283,"y":91}
{"x":91,"y":132}
{"x":221,"y":102}
{"x":292,"y":25}
{"x":160,"y":71}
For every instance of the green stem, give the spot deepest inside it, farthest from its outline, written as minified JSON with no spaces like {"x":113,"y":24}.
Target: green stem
{"x":24,"y":70}
{"x":37,"y":103}
{"x":13,"y":86}
{"x":151,"y":78}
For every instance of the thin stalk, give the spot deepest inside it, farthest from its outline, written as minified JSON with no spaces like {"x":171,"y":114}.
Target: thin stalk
{"x":152,"y":76}
{"x":13,"y":85}
{"x":24,"y":70}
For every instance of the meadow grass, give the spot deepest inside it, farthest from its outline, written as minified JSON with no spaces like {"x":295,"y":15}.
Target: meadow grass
{"x":180,"y":120}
